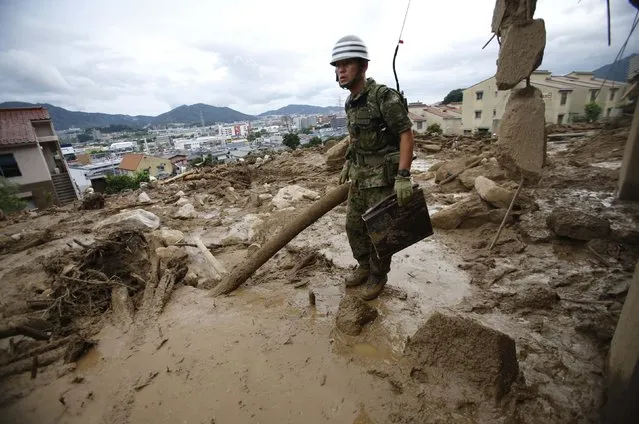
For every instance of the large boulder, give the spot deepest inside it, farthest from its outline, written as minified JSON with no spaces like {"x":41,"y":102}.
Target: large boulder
{"x":509,"y":12}
{"x":353,"y":313}
{"x":467,"y":213}
{"x":135,"y":220}
{"x":479,"y":355}
{"x":492,"y":193}
{"x":336,"y":155}
{"x":521,"y":52}
{"x":578,"y":225}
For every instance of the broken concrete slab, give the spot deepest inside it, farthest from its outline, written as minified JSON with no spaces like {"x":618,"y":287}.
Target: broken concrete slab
{"x":353,"y":313}
{"x":522,"y":142}
{"x":521,"y":52}
{"x":135,"y":220}
{"x":509,"y":12}
{"x":577,"y":225}
{"x":450,"y":344}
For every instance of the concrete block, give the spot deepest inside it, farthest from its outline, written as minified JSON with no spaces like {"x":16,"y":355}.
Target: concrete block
{"x":623,"y":362}
{"x":522,"y":136}
{"x":509,"y":12}
{"x":521,"y":52}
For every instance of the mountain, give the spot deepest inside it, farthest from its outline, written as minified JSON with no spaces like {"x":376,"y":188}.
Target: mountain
{"x":618,"y":71}
{"x":210,"y":114}
{"x":63,"y":118}
{"x":302,"y":110}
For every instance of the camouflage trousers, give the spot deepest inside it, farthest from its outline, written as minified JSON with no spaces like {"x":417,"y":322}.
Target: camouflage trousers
{"x":359,"y":200}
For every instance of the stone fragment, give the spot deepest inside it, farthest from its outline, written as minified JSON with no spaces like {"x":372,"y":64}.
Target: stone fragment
{"x":353,"y":314}
{"x":449,"y":344}
{"x":492,"y":193}
{"x":577,"y":225}
{"x":185,"y":212}
{"x":135,"y":220}
{"x":490,"y":171}
{"x":291,"y":194}
{"x":168,"y":237}
{"x":534,"y":229}
{"x":521,"y":52}
{"x":509,"y":12}
{"x":182,"y":201}
{"x":522,"y":137}
{"x":468,"y":213}
{"x":144,"y":198}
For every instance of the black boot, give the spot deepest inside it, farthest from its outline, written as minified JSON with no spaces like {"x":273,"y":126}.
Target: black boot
{"x":357,"y":276}
{"x":374,"y":286}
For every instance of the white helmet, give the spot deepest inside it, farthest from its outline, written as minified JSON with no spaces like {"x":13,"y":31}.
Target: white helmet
{"x":349,"y":47}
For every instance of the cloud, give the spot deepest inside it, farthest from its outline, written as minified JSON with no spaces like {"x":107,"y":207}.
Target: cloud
{"x":147,"y":56}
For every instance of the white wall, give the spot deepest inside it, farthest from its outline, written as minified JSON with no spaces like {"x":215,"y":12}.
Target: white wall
{"x":32,"y":165}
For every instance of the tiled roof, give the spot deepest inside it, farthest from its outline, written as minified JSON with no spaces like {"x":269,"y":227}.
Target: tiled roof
{"x":415,"y":118}
{"x":15,"y":124}
{"x":444,"y":113}
{"x":131,"y":161}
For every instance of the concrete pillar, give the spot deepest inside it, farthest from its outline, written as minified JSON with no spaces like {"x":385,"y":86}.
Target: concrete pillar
{"x":623,"y":362}
{"x":629,"y":175}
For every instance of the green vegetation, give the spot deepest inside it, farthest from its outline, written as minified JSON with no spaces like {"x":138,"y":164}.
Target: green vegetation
{"x":118,"y":183}
{"x":83,"y":137}
{"x":434,"y":128}
{"x":292,"y":140}
{"x":9,"y":201}
{"x":593,"y":110}
{"x":456,"y":95}
{"x":315,"y":141}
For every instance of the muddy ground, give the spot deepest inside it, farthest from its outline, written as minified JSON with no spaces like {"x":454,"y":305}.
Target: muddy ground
{"x":138,"y":337}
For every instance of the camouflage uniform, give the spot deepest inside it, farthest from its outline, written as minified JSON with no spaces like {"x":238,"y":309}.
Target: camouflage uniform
{"x":376,"y":117}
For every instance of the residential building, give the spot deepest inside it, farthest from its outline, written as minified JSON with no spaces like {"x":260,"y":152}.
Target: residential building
{"x":565,"y":98}
{"x":448,"y":118}
{"x":30,"y":156}
{"x":155,"y":166}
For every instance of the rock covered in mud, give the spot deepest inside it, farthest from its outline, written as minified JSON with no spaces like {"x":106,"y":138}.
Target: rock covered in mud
{"x":135,"y":220}
{"x":533,"y":228}
{"x":521,"y":52}
{"x":293,"y":193}
{"x":187,"y":211}
{"x":536,"y":296}
{"x":353,"y":314}
{"x":168,"y":237}
{"x":491,"y":171}
{"x":577,"y":225}
{"x":93,"y":201}
{"x":480,"y":355}
{"x":144,"y":198}
{"x":492,"y":193}
{"x":468,"y":213}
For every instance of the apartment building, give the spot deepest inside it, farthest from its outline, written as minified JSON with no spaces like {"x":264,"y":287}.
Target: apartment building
{"x":564,"y":96}
{"x":447,"y":117}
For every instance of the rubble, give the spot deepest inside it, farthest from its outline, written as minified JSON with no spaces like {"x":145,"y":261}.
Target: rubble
{"x":466,"y":349}
{"x":490,"y":170}
{"x":577,"y":225}
{"x":488,"y":190}
{"x":289,"y":195}
{"x":93,"y":201}
{"x":521,"y":52}
{"x":143,"y":198}
{"x":353,"y":314}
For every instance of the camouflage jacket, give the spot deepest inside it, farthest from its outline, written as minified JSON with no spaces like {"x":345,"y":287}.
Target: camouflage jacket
{"x":376,"y":117}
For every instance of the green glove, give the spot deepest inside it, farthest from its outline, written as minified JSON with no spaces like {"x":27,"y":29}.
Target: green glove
{"x":403,"y":189}
{"x":343,"y":176}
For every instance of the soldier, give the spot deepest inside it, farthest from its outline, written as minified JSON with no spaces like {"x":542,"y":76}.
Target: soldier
{"x":379,"y":156}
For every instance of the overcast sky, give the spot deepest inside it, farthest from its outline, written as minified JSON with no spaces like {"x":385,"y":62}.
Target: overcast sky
{"x":148,"y":56}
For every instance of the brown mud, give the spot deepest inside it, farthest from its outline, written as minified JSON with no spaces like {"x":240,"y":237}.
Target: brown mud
{"x":156,"y":346}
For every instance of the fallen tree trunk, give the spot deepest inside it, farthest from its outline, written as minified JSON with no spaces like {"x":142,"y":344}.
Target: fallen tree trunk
{"x":46,"y":358}
{"x":312,"y":213}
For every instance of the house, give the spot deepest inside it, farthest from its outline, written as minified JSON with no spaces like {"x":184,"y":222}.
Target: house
{"x":31,"y":157}
{"x":448,"y":118}
{"x":136,"y":162}
{"x":564,"y":96}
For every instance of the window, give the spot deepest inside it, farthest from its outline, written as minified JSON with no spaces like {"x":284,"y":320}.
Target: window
{"x":593,"y":95}
{"x":564,"y":98}
{"x":608,"y":112}
{"x":9,"y":167}
{"x":478,"y":114}
{"x":560,"y":118}
{"x":420,"y":125}
{"x":494,"y":112}
{"x":496,"y":93}
{"x":480,"y":95}
{"x":612,"y":93}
